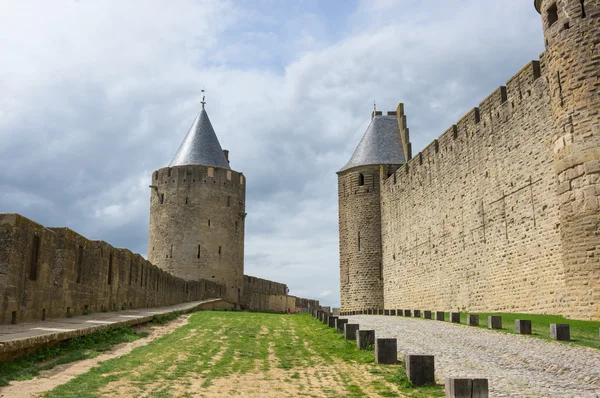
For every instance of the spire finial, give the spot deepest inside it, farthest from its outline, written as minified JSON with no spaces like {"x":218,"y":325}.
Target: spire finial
{"x":374,"y":106}
{"x":203,"y":99}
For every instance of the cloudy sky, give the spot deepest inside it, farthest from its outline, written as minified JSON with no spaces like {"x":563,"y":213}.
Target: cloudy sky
{"x":96,"y":94}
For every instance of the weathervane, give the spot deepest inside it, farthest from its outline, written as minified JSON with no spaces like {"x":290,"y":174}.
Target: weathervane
{"x":203,"y":101}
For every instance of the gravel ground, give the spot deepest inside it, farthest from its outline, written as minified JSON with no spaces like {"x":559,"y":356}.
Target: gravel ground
{"x":515,"y":365}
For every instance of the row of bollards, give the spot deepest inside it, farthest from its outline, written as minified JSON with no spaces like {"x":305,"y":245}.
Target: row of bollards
{"x":420,"y":369}
{"x":558,"y":331}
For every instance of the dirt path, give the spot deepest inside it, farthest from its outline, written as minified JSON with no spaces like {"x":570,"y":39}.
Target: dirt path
{"x":61,"y":374}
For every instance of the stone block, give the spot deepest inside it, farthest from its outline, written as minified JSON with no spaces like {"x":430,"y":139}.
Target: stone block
{"x":393,"y":312}
{"x":420,"y":369}
{"x":365,"y":338}
{"x":427,"y":314}
{"x":398,"y":312}
{"x":331,"y":321}
{"x":339,"y":324}
{"x":439,"y":316}
{"x":472,"y":320}
{"x":560,"y":331}
{"x":455,"y":317}
{"x":495,"y":322}
{"x":386,"y":312}
{"x":523,"y":326}
{"x":406,"y":312}
{"x":457,"y":387}
{"x":380,"y":312}
{"x":350,"y":330}
{"x":386,"y":351}
{"x":417,"y":313}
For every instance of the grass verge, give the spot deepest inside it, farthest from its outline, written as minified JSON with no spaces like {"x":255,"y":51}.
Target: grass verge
{"x":78,"y":348}
{"x":252,"y":354}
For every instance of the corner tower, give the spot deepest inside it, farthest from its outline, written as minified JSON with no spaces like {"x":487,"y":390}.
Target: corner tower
{"x":197,"y":212}
{"x":572,"y":63}
{"x":361,"y":273}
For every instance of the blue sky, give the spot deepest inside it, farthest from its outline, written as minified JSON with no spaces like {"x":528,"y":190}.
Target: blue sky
{"x":95,"y":95}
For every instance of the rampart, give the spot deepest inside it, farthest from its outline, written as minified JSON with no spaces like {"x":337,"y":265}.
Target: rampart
{"x":472,"y":222}
{"x":57,"y":273}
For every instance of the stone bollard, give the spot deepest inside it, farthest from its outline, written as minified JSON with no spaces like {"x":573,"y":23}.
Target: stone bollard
{"x":339,"y":324}
{"x":457,"y":387}
{"x":472,"y":320}
{"x":386,"y":312}
{"x":427,"y":314}
{"x":439,"y":316}
{"x":560,"y":331}
{"x":399,"y":313}
{"x":393,"y":312}
{"x":523,"y":326}
{"x":380,"y":312}
{"x":455,"y":317}
{"x":407,"y":313}
{"x":420,"y":369}
{"x":365,"y":338}
{"x":495,"y":322}
{"x":350,"y":330}
{"x":386,"y":351}
{"x":417,"y":313}
{"x":331,"y":321}
{"x":325,"y":319}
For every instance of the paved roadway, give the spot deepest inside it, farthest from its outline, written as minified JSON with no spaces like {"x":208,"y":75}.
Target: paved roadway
{"x":515,"y":365}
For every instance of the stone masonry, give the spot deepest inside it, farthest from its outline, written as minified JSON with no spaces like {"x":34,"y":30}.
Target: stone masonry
{"x":501,"y":212}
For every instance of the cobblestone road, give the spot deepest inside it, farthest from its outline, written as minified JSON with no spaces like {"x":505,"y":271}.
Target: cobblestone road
{"x":516,"y":366}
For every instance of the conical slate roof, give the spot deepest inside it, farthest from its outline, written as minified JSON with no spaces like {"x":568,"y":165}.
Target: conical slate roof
{"x":379,"y":145}
{"x":201,"y":145}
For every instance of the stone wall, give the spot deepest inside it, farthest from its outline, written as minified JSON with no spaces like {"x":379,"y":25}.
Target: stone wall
{"x":265,"y":295}
{"x":472,"y":222}
{"x":197,"y":216}
{"x":55,"y":273}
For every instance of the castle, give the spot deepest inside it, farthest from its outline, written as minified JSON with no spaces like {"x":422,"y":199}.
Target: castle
{"x":195,"y":249}
{"x":500,"y":213}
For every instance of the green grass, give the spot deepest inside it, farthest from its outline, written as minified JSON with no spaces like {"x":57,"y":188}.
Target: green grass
{"x":75,"y":349}
{"x":217,"y":345}
{"x":584,"y":333}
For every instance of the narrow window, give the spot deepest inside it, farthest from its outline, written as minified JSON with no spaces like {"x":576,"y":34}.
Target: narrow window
{"x":583,"y":14}
{"x":79,"y":264}
{"x":236,"y":226}
{"x":198,"y":254}
{"x":130,"y":270}
{"x":43,"y":314}
{"x":380,"y":270}
{"x":162,"y":198}
{"x":552,"y":14}
{"x":229,"y":201}
{"x":186,"y":201}
{"x":35,"y":254}
{"x":209,"y":223}
{"x":219,"y":250}
{"x":358,"y":240}
{"x":13,"y":320}
{"x":171,"y":253}
{"x":361,"y":179}
{"x":110,"y":268}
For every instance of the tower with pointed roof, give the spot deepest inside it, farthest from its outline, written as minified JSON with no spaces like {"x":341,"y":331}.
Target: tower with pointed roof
{"x":197,"y":212}
{"x":361,"y":273}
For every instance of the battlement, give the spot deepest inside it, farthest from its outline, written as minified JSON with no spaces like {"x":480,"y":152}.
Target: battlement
{"x":492,"y":112}
{"x":190,"y":175}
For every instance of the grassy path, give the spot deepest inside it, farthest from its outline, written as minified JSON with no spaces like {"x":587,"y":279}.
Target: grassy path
{"x":223,"y":354}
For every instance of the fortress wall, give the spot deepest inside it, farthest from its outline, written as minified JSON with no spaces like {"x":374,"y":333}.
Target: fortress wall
{"x":74,"y":275}
{"x":265,"y":295}
{"x":471,"y":222}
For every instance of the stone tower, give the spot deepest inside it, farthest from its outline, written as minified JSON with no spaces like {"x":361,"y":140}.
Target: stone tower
{"x":572,"y":63}
{"x":197,"y":212}
{"x":361,"y":273}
